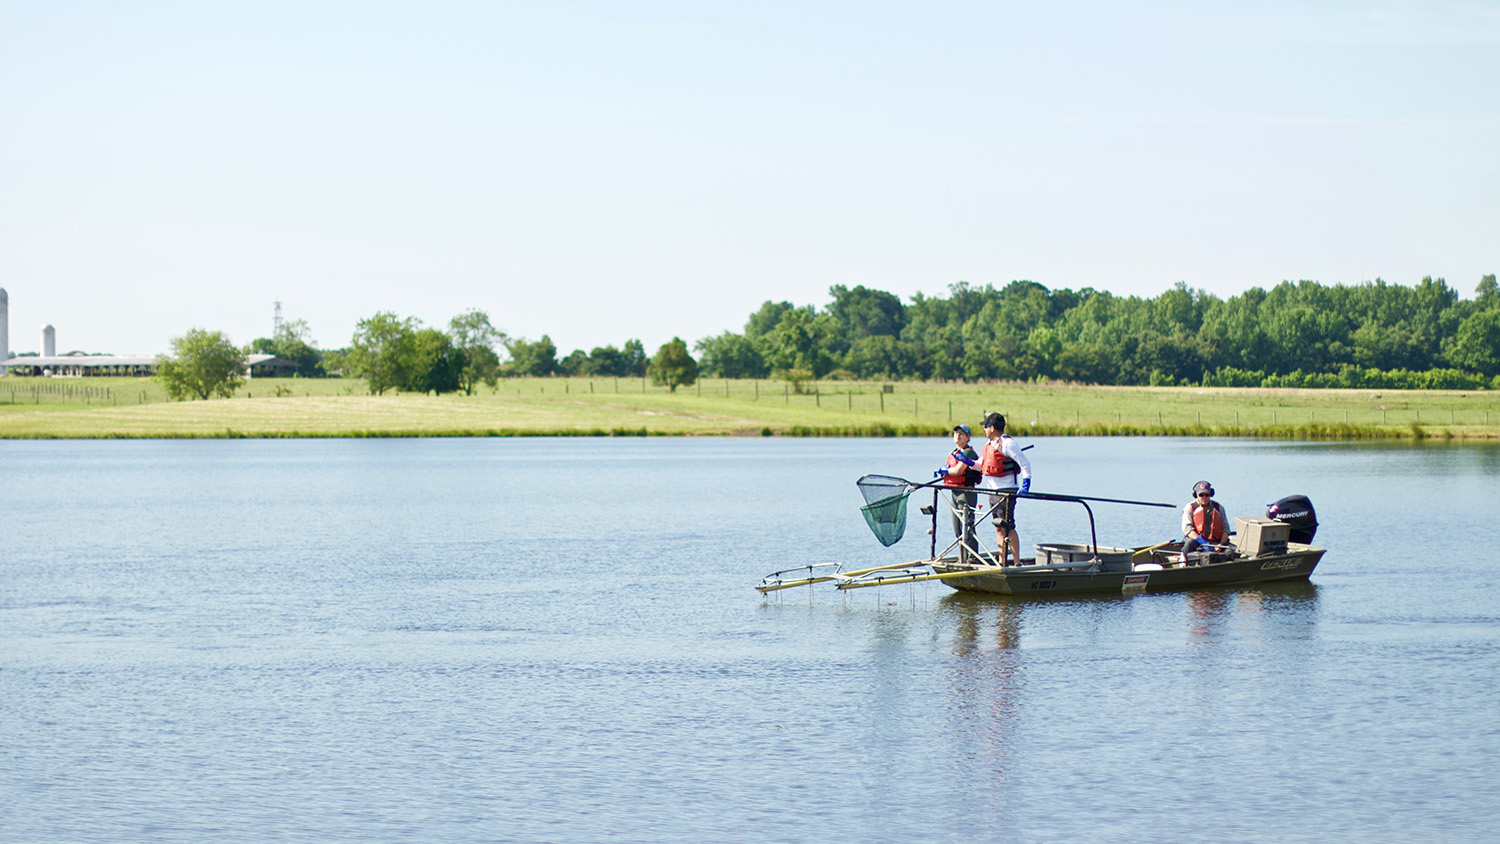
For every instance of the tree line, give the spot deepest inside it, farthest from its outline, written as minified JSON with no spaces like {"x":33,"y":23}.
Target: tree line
{"x":1297,"y":334}
{"x":392,"y":352}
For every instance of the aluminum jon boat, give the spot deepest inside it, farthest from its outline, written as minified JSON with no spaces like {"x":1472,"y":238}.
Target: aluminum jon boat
{"x":1275,"y":548}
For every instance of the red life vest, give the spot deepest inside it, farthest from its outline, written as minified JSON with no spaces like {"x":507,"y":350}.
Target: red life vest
{"x":970,"y":477}
{"x":1214,"y":530}
{"x":996,"y":464}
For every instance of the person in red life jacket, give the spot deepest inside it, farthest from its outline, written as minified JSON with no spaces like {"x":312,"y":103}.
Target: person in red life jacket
{"x":960,"y":473}
{"x":1007,"y":472}
{"x":1204,"y":521}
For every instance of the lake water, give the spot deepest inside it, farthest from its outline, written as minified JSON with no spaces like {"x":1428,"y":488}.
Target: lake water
{"x":559,"y":640}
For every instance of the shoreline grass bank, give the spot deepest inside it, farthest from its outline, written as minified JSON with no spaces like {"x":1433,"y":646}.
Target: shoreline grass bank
{"x":126,"y":408}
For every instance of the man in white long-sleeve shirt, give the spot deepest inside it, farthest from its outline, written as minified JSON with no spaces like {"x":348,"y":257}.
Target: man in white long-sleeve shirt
{"x":1007,"y":472}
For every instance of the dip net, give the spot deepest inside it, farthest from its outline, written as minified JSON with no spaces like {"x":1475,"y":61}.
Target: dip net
{"x":885,"y":506}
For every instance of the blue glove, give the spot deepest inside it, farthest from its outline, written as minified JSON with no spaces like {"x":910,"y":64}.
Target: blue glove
{"x":1025,"y":485}
{"x":964,"y":460}
{"x":941,"y":473}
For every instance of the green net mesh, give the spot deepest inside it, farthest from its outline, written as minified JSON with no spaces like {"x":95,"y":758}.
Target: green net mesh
{"x":885,"y":508}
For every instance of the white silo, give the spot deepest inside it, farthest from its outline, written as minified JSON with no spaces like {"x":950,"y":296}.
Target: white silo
{"x":4,"y":325}
{"x":49,"y":342}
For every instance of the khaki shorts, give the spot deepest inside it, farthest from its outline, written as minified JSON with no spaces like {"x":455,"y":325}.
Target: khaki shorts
{"x":1004,"y":512}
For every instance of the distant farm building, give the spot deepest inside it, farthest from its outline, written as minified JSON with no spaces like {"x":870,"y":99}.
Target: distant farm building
{"x":80,"y":365}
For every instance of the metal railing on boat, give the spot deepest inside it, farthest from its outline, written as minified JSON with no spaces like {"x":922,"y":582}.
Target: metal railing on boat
{"x":967,"y":546}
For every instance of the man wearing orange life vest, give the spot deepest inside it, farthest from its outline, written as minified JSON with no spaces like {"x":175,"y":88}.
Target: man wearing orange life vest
{"x":1006,"y":472}
{"x":1204,"y":521}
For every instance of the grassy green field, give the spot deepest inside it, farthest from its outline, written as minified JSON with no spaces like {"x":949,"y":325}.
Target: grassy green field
{"x":138,"y":408}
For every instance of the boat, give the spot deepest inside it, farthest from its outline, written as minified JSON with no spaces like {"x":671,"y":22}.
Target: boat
{"x":1270,"y":549}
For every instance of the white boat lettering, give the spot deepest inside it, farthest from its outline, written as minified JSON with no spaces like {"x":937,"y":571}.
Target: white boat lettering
{"x":1133,"y":579}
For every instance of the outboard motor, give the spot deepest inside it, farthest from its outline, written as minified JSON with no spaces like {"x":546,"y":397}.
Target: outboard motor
{"x":1297,"y":512}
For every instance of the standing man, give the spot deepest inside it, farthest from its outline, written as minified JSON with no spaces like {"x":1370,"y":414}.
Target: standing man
{"x":960,"y":474}
{"x":1007,"y":472}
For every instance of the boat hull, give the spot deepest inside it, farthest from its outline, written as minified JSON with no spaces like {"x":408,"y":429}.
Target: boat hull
{"x":1297,"y":563}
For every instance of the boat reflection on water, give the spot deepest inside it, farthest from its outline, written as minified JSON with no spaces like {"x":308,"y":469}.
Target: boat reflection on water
{"x":970,"y":611}
{"x":1213,"y":612}
{"x":989,"y":622}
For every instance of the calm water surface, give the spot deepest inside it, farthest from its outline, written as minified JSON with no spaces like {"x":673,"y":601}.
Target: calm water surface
{"x":558,"y":640}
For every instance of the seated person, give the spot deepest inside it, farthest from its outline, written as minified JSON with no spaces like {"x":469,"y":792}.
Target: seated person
{"x":1204,"y":521}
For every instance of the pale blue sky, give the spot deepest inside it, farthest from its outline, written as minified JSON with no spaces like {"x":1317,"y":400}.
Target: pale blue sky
{"x":601,"y":171}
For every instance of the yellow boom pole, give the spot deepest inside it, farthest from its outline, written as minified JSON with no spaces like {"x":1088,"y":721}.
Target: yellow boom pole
{"x":913,"y":578}
{"x":808,"y":581}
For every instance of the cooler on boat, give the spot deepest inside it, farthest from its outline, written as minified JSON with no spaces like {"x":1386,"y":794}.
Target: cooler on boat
{"x":1255,"y":537}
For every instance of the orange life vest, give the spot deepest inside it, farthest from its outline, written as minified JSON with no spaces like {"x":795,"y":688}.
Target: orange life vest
{"x":995,"y":464}
{"x":1209,"y":523}
{"x":970,"y":476}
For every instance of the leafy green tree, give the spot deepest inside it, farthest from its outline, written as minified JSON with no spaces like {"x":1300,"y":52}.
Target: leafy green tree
{"x":766,"y":318}
{"x":1084,"y":363}
{"x":432,"y":363}
{"x":333,"y":361}
{"x":862,"y":313}
{"x":381,"y":350}
{"x":606,"y":361}
{"x":1476,"y":346}
{"x":879,"y":356}
{"x":474,"y":339}
{"x":673,"y":366}
{"x":730,"y":355}
{"x":576,"y":363}
{"x":797,"y":343}
{"x":536,"y":359}
{"x":634,"y":355}
{"x":203,"y":363}
{"x":1487,"y":294}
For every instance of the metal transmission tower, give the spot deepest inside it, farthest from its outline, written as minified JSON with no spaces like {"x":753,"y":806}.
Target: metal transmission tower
{"x":276,"y":326}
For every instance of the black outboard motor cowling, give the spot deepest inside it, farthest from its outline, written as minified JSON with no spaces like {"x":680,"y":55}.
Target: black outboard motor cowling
{"x":1297,"y":512}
